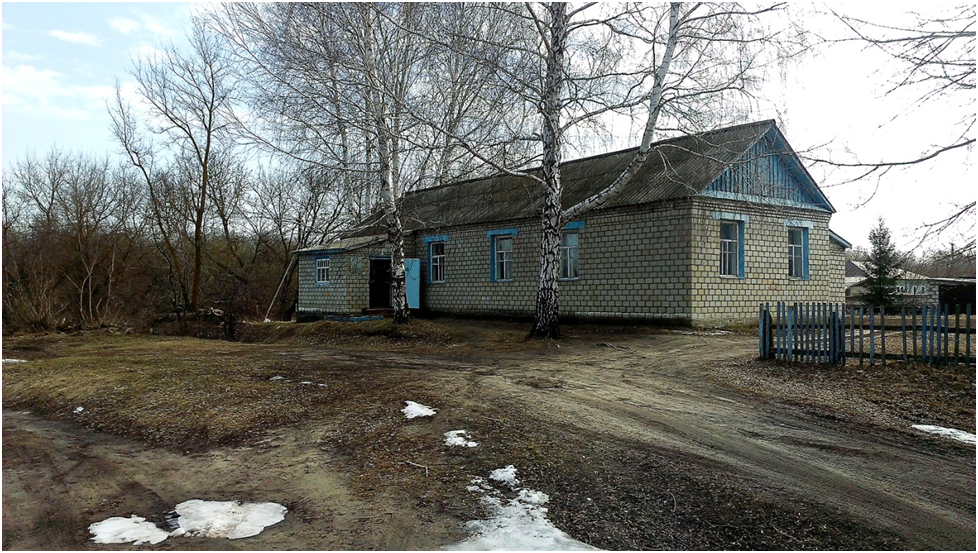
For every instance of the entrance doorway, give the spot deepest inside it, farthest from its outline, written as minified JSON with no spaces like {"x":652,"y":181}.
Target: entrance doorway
{"x":380,"y":283}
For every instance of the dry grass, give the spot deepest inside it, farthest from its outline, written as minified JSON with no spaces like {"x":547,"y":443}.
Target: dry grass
{"x":192,"y":393}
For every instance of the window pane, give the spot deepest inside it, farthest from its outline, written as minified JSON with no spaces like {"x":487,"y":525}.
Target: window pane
{"x":504,"y":258}
{"x":794,"y":237}
{"x":729,"y":249}
{"x":728,"y":231}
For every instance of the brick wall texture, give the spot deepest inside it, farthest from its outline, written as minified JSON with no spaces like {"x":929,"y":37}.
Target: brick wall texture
{"x":649,"y":262}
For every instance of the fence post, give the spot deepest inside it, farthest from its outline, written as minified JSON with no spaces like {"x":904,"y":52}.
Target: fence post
{"x":862,"y":338}
{"x":903,"y":330}
{"x":872,"y":336}
{"x":957,"y":331}
{"x":924,"y":312}
{"x":791,"y":331}
{"x":947,"y":335}
{"x":967,"y":339}
{"x":852,"y":330}
{"x":913,"y":324}
{"x":883,"y":335}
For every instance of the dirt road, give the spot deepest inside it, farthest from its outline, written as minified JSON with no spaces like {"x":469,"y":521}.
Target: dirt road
{"x":636,"y":444}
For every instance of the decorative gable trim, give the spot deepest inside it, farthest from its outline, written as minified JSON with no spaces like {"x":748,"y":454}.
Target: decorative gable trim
{"x":769,"y":173}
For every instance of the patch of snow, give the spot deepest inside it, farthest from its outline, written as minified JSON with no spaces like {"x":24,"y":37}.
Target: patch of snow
{"x":417,"y":410}
{"x":702,"y":332}
{"x":322,"y":385}
{"x":305,"y":382}
{"x":506,"y":476}
{"x":459,"y":438}
{"x":125,"y":530}
{"x":518,"y":524}
{"x":79,"y":409}
{"x":277,"y":378}
{"x":15,"y":360}
{"x":953,"y":433}
{"x":226,"y":519}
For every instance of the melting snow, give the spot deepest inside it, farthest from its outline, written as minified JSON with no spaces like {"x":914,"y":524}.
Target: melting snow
{"x":79,"y":409}
{"x":459,"y":438}
{"x":506,"y":476}
{"x":954,"y":434}
{"x":194,"y":518}
{"x":518,"y":524}
{"x":417,"y":410}
{"x":14,"y":360}
{"x":226,"y":519}
{"x":124,"y":530}
{"x":277,"y":378}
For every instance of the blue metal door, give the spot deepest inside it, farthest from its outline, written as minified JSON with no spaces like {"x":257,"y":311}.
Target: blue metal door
{"x":412,"y":277}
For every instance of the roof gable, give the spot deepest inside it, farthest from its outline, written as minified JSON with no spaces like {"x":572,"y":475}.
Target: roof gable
{"x":770,"y":173}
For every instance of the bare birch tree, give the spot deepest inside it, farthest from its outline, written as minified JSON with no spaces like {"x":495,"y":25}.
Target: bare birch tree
{"x":681,"y":67}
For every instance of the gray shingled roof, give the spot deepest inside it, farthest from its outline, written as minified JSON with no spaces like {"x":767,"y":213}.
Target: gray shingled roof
{"x":676,"y":168}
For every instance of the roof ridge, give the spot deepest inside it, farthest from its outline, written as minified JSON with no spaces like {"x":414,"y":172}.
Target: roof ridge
{"x":599,"y":156}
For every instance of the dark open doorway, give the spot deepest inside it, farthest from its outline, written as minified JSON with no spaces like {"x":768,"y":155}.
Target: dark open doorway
{"x":380,"y":283}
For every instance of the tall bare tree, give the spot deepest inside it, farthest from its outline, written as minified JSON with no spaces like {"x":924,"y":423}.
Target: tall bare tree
{"x":188,"y":103}
{"x":341,"y":86}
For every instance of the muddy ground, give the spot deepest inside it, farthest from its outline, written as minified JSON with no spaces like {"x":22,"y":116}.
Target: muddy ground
{"x":642,"y":439}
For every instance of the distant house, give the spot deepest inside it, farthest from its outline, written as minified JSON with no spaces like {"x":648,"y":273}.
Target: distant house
{"x":911,"y":288}
{"x":711,"y":225}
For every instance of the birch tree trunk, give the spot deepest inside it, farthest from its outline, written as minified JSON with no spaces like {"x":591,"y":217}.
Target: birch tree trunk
{"x":388,"y":188}
{"x":548,"y":304}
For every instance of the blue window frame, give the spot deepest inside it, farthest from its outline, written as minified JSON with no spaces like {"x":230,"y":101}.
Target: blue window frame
{"x":731,"y":243}
{"x":322,"y":271}
{"x":570,"y":242}
{"x":798,"y":248}
{"x":436,"y":258}
{"x":501,"y":254}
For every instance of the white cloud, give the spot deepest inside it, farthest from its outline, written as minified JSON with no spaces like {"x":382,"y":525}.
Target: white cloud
{"x":44,"y":93}
{"x":19,"y":56}
{"x":88,"y":39}
{"x":124,"y":25}
{"x":156,"y":26}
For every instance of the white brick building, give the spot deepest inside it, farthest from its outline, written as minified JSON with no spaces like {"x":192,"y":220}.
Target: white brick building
{"x":712,"y":225}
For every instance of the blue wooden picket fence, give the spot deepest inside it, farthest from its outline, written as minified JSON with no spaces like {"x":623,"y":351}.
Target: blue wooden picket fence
{"x":837,"y":333}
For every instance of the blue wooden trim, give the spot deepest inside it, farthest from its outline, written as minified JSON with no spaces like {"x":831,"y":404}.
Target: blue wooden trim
{"x":315,"y":271}
{"x":320,"y":252}
{"x":493,"y":234}
{"x":725,"y":216}
{"x":574,"y":225}
{"x":762,"y":200}
{"x":805,"y":227}
{"x":740,"y":247}
{"x":804,"y":253}
{"x":428,"y":242}
{"x":839,"y":240}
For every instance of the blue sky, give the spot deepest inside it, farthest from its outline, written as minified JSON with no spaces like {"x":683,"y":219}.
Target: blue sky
{"x":61,"y":62}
